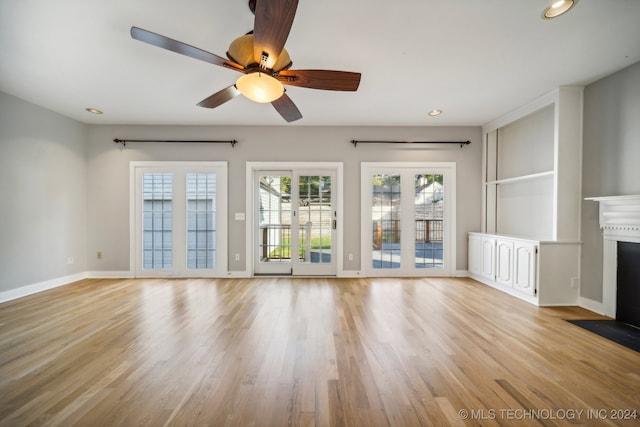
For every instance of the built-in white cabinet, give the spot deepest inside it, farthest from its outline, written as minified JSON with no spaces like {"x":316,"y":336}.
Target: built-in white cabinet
{"x":516,"y":264}
{"x":531,"y":190}
{"x":482,"y":253}
{"x":505,"y":263}
{"x":540,"y":272}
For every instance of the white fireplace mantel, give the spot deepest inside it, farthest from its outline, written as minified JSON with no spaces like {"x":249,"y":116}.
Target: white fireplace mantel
{"x":620,"y":213}
{"x":620,"y":221}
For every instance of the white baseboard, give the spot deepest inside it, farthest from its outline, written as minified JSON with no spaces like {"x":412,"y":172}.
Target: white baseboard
{"x":591,"y":305}
{"x":131,"y":275}
{"x":349,"y":274}
{"x":528,"y":298}
{"x":34,"y":288}
{"x":110,"y":275}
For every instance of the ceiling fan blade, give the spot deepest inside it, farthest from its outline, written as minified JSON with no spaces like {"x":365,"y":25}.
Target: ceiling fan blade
{"x":220,"y":97}
{"x":182,"y":48}
{"x":287,"y":109}
{"x":273,"y":20}
{"x":321,"y":79}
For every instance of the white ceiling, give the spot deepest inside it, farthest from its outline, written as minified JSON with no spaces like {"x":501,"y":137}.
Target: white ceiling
{"x":474,"y":59}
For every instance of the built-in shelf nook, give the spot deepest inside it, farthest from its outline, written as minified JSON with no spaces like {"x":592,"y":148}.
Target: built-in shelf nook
{"x":529,"y":244}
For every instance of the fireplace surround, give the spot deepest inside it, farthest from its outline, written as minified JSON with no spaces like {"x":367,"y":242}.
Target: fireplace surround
{"x":619,"y":218}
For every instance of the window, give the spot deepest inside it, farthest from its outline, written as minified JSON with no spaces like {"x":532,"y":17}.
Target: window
{"x":201,"y":220}
{"x":158,"y":220}
{"x":178,"y":208}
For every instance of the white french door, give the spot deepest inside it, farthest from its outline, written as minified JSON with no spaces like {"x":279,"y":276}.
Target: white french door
{"x":407,"y":211}
{"x":295,"y":221}
{"x":273,"y":222}
{"x":179,"y":219}
{"x":316,"y":220}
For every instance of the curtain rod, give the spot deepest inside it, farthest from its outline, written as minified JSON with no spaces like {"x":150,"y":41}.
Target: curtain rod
{"x":462,"y":143}
{"x":233,"y":142}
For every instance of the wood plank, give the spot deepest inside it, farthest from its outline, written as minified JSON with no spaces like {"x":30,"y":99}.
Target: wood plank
{"x":313,"y":351}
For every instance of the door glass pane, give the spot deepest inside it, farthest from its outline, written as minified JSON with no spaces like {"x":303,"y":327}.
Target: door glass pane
{"x":385,"y":213}
{"x":274,"y":236}
{"x":315,"y":219}
{"x":429,"y":214}
{"x":157,"y":207}
{"x":201,"y":220}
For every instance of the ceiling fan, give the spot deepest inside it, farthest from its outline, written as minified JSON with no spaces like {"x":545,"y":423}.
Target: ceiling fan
{"x":261,"y":57}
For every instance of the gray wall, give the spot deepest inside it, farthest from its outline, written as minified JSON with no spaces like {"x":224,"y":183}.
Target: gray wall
{"x":108,"y":174}
{"x":42,"y":194}
{"x":64,"y":186}
{"x":611,"y":160}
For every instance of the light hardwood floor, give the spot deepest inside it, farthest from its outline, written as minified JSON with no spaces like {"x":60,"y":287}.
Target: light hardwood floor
{"x":276,"y":352}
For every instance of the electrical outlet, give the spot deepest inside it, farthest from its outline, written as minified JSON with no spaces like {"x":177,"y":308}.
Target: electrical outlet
{"x":237,"y":257}
{"x":350,"y":257}
{"x":575,"y":282}
{"x":70,"y":260}
{"x":99,"y":255}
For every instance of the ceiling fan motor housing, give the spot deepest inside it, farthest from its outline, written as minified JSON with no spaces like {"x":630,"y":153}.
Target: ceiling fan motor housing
{"x":241,"y":52}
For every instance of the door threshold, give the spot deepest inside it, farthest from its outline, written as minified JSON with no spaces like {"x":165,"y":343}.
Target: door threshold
{"x":272,"y":275}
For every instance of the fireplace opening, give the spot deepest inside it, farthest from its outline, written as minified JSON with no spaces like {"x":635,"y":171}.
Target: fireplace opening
{"x":628,"y":283}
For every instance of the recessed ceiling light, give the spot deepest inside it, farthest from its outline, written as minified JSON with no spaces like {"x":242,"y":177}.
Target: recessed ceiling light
{"x":557,"y":8}
{"x":433,"y":113}
{"x":93,"y":110}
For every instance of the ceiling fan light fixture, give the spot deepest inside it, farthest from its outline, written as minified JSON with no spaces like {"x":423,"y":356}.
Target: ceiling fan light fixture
{"x":260,"y":87}
{"x":557,"y":8}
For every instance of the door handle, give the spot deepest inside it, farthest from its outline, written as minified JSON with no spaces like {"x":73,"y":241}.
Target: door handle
{"x":335,"y":224}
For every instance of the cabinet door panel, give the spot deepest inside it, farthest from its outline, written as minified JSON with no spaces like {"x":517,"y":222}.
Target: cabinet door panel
{"x":504,"y":263}
{"x":488,"y":258}
{"x":524,"y":277}
{"x":475,"y":254}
